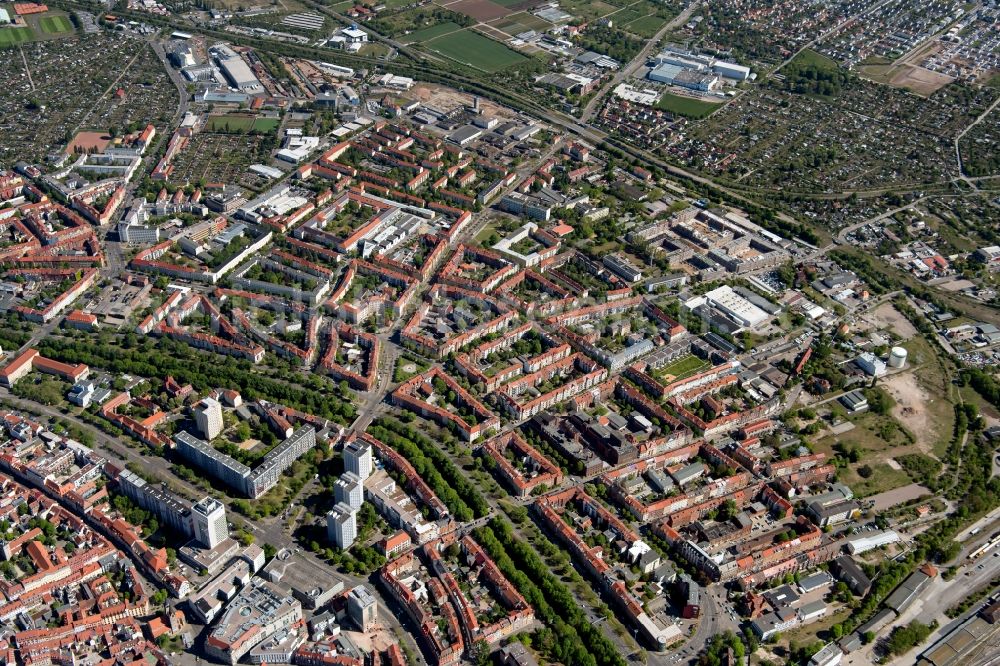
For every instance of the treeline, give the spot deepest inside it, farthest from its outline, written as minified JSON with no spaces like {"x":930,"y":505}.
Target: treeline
{"x":447,"y":482}
{"x":877,"y":279}
{"x":203,"y":370}
{"x":904,"y":639}
{"x":570,"y":637}
{"x":611,"y":42}
{"x":809,"y":78}
{"x":890,"y":574}
{"x":985,"y":385}
{"x":717,"y":651}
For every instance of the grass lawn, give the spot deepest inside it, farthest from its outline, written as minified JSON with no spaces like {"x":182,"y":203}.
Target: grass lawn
{"x":374,"y":50}
{"x":237,"y":123}
{"x":14,"y":36}
{"x":686,"y":106}
{"x":55,"y":24}
{"x":475,"y":50}
{"x":882,"y":478}
{"x":808,"y":633}
{"x":427,"y":34}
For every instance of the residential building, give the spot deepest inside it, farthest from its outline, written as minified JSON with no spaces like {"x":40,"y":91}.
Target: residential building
{"x":362,"y":608}
{"x":208,"y":521}
{"x":208,"y":418}
{"x":349,"y":490}
{"x":358,"y":458}
{"x":342,"y":525}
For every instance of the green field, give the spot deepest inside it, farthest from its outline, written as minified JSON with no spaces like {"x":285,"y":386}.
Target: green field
{"x":427,"y":34}
{"x":237,"y":123}
{"x":686,"y":106}
{"x":55,"y":24}
{"x":14,"y":36}
{"x":475,"y":50}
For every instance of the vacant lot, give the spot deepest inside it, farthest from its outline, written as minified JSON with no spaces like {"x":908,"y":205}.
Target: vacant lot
{"x":686,"y":106}
{"x":810,"y":57}
{"x":13,"y":36}
{"x":88,"y":141}
{"x":473,"y":49}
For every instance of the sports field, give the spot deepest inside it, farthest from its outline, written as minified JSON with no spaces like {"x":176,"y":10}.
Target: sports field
{"x":55,"y":24}
{"x":14,"y":36}
{"x":473,"y":49}
{"x":686,"y":106}
{"x":683,"y":367}
{"x":235,"y":123}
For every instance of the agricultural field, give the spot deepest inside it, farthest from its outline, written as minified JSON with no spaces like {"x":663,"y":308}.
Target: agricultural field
{"x":474,"y":50}
{"x":427,"y":34}
{"x":520,"y":22}
{"x":687,"y":106}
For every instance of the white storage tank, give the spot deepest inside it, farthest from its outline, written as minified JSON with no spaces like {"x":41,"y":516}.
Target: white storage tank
{"x":897,"y":357}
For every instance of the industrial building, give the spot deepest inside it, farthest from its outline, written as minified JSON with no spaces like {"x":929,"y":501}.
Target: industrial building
{"x":730,"y":304}
{"x":236,"y":70}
